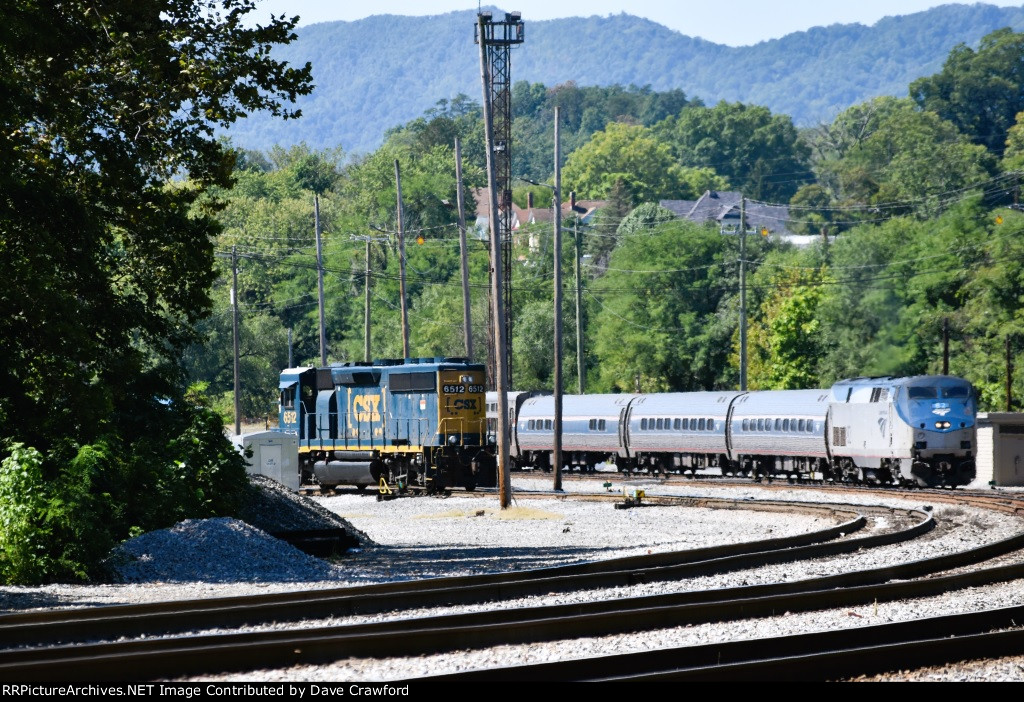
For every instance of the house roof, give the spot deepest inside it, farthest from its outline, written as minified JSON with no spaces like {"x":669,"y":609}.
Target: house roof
{"x":724,"y":208}
{"x":527,"y":215}
{"x":545,"y":214}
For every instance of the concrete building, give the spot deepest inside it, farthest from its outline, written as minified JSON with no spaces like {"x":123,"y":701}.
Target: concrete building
{"x":1000,"y":449}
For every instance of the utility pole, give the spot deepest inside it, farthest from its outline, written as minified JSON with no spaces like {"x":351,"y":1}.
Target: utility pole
{"x":556,"y":454}
{"x":461,"y":202}
{"x":579,"y":294}
{"x":945,"y":346}
{"x":234,"y":330}
{"x":401,"y":263}
{"x":1009,"y":376}
{"x":366,"y":305}
{"x":290,"y":362}
{"x":498,"y":327}
{"x":320,"y":279}
{"x":743,"y":293}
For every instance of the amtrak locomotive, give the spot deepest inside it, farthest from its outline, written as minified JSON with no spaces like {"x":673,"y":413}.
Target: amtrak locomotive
{"x":414,"y":423}
{"x":917,"y":430}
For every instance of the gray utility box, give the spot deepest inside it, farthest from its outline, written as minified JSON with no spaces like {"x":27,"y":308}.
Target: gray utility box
{"x":275,"y":455}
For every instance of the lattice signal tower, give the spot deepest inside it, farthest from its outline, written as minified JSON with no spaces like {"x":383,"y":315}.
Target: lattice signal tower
{"x":499,"y":38}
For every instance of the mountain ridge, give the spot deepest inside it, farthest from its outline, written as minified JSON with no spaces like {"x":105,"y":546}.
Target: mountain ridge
{"x":382,"y":71}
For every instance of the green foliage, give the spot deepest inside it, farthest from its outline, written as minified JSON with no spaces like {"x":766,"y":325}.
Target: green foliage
{"x":980,"y":91}
{"x":584,"y":110}
{"x":656,"y":329}
{"x":53,"y":529}
{"x":811,"y":211}
{"x":107,"y":228}
{"x":759,"y":153}
{"x":23,"y":547}
{"x":787,"y":345}
{"x":633,"y":156}
{"x":644,"y":218}
{"x":1013,"y":156}
{"x":912,"y":160}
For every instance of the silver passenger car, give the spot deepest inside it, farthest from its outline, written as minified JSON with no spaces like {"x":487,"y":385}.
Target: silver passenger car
{"x":679,"y":431}
{"x":780,"y":431}
{"x":593,"y":429}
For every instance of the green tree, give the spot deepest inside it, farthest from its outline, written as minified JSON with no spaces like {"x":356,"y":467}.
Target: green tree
{"x":759,"y":153}
{"x":789,"y":334}
{"x":657,"y":329}
{"x":1013,"y":156}
{"x":633,"y":155}
{"x":980,"y":91}
{"x":912,"y":161}
{"x":107,"y":238}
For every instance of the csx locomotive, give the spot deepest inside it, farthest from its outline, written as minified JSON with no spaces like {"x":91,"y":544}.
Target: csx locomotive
{"x":916,"y":430}
{"x":414,"y":423}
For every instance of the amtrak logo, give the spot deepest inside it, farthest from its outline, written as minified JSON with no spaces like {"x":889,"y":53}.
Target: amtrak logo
{"x":940,"y":408}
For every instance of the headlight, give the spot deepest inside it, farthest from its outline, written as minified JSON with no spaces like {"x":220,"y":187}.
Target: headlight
{"x":453,"y":439}
{"x":942,"y":425}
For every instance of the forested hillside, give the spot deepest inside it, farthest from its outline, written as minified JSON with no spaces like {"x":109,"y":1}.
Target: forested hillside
{"x":913,"y":200}
{"x":383,"y":71}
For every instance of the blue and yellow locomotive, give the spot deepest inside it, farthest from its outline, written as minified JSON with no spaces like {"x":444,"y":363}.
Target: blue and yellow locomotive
{"x":410,"y":424}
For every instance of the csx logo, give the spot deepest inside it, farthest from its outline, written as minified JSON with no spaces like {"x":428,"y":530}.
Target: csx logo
{"x":464,"y":404}
{"x":366,"y":408}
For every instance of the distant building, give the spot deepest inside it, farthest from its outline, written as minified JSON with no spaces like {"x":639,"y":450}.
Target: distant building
{"x":532,"y":214}
{"x":723,"y":208}
{"x":482,"y":223}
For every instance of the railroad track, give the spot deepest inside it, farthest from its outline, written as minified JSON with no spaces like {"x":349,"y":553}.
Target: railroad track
{"x":69,"y":655}
{"x":814,"y":657}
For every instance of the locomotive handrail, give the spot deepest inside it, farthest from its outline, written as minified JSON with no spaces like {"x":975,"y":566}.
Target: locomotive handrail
{"x":442,"y":428}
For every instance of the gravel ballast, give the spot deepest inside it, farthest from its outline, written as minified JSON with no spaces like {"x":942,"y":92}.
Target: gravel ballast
{"x":429,"y":537}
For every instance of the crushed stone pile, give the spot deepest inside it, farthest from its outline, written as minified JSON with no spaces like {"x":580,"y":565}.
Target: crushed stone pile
{"x":215,"y":551}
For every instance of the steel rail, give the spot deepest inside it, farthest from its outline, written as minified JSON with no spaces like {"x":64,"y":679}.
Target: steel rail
{"x":221,"y":653}
{"x":817,"y":656}
{"x":114,"y":621}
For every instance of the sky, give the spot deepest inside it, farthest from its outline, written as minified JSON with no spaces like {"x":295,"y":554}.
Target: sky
{"x":730,"y":22}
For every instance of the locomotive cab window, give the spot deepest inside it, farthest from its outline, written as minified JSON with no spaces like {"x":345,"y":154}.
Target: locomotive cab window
{"x":288,"y":397}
